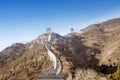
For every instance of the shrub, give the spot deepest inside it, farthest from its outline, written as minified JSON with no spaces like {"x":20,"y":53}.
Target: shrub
{"x":115,"y":76}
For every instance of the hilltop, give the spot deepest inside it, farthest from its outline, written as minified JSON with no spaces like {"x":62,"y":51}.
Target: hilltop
{"x":88,"y":54}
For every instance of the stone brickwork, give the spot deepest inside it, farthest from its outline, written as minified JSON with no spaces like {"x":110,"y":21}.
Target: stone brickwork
{"x":51,"y":77}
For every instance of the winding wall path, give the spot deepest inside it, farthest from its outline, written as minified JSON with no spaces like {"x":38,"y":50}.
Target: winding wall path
{"x":55,"y":59}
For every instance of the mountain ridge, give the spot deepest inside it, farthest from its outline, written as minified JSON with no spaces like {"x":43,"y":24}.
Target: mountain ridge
{"x":93,"y":50}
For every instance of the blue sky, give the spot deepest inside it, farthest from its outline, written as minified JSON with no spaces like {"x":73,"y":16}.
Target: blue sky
{"x":24,"y":20}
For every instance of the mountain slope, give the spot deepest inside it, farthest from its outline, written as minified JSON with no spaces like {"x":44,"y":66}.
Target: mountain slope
{"x":106,"y":36}
{"x":11,"y":53}
{"x":89,"y":54}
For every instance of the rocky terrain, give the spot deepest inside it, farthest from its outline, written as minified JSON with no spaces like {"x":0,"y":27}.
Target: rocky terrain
{"x":90,"y":54}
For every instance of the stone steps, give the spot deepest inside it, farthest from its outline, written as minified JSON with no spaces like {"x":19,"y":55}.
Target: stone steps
{"x":51,"y":77}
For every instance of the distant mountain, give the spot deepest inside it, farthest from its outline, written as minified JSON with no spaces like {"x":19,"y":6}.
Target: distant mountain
{"x":89,"y":54}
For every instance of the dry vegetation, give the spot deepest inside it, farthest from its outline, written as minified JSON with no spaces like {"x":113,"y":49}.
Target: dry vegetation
{"x":26,"y":67}
{"x":93,"y":54}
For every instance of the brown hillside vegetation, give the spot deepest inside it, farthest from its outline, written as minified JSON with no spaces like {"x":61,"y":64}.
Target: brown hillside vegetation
{"x":11,"y":53}
{"x":90,"y":54}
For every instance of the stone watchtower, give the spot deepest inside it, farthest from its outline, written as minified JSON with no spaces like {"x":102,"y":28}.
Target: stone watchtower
{"x":71,"y":30}
{"x":48,"y":30}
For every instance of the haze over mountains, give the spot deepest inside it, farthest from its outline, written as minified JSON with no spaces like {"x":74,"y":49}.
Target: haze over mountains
{"x":88,"y":54}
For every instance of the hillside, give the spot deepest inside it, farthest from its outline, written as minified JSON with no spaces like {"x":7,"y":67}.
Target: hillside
{"x":11,"y":53}
{"x":89,"y":54}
